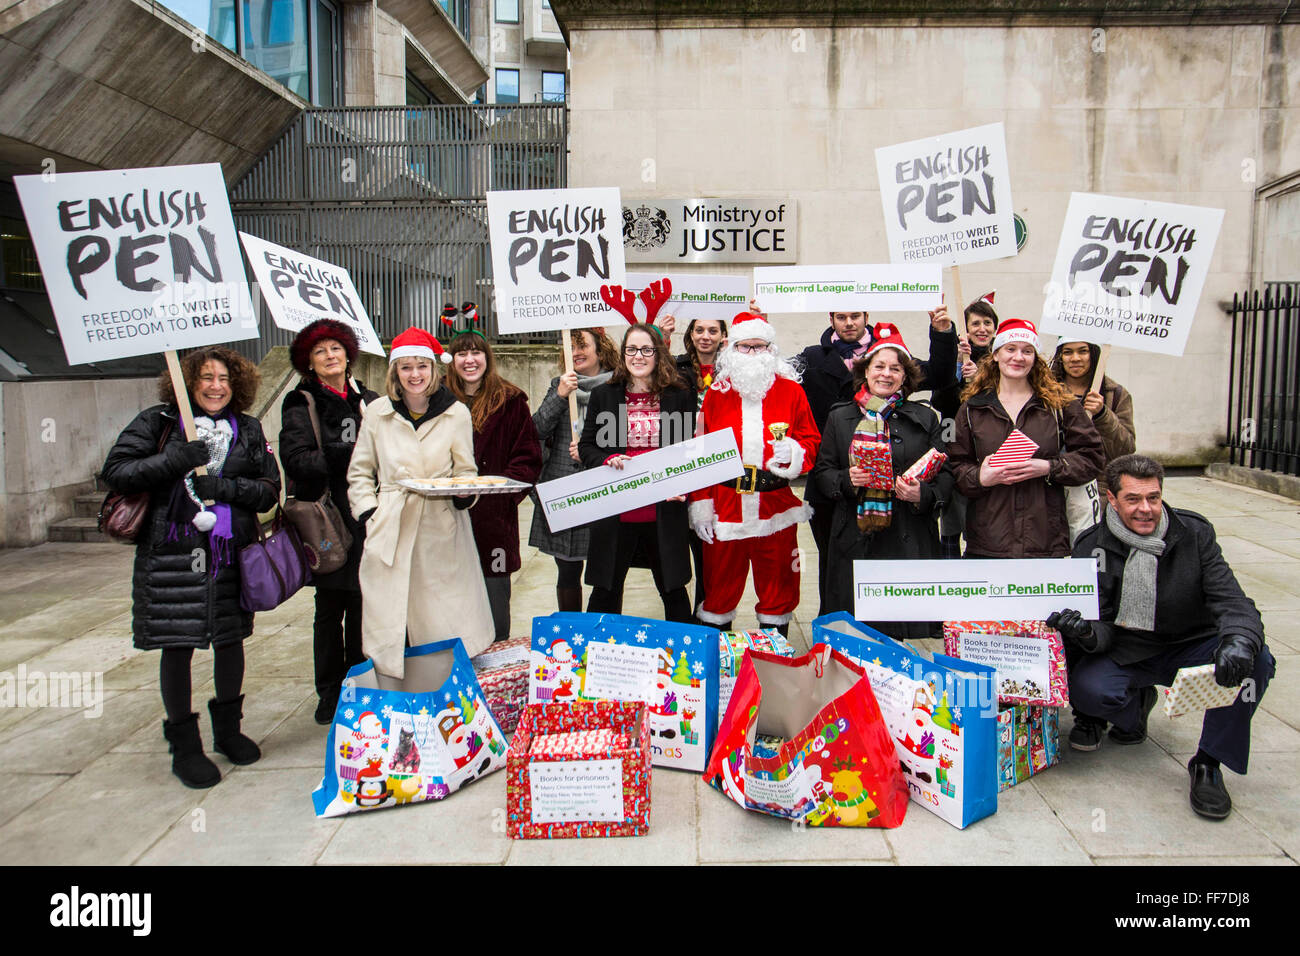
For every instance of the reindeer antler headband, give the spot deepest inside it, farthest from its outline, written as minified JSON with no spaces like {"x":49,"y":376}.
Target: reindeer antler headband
{"x":655,"y":296}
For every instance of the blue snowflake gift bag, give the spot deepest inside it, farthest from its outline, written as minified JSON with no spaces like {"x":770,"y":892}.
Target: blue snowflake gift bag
{"x":409,"y":740}
{"x":941,"y":711}
{"x":671,"y":667}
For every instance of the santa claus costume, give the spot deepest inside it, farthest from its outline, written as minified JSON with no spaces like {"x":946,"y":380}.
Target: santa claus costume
{"x":752,"y":521}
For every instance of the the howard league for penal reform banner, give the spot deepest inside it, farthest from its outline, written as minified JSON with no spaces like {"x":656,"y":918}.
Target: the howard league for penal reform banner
{"x":138,"y":261}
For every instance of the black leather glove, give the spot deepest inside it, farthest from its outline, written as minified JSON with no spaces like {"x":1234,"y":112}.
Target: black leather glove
{"x":364,"y":518}
{"x":186,"y":456}
{"x":1234,"y":661}
{"x":1074,"y":629}
{"x":207,"y":487}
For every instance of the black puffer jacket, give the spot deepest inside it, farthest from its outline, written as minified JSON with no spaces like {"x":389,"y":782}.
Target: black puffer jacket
{"x":310,"y":470}
{"x":177,"y":601}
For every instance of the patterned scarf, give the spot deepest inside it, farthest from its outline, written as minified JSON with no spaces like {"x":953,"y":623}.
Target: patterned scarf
{"x":219,"y":434}
{"x":870,"y":449}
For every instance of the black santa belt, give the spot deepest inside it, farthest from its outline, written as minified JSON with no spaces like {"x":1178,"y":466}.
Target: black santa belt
{"x":755,"y":479}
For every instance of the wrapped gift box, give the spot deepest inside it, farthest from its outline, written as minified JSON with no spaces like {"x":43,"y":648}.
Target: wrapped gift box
{"x":593,"y":794}
{"x":1029,"y":741}
{"x":731,"y":651}
{"x":1028,"y":655}
{"x":503,"y":674}
{"x":1194,"y":689}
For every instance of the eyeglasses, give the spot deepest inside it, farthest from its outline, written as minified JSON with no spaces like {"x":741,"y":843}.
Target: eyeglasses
{"x":645,"y":350}
{"x":749,"y":349}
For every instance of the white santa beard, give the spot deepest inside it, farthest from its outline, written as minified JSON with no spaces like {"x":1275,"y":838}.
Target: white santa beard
{"x":750,"y":375}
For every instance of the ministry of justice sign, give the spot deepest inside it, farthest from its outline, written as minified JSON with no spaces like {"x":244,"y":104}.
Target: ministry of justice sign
{"x":746,"y":229}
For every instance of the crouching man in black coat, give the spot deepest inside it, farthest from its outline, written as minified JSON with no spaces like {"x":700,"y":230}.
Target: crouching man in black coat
{"x":1168,"y":600}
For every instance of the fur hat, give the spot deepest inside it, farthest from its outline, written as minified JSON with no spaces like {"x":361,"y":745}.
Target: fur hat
{"x":312,"y":335}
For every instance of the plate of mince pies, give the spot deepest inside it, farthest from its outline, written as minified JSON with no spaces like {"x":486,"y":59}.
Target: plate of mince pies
{"x":463,"y":485}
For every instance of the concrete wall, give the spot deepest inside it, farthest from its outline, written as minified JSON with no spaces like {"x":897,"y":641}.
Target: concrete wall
{"x":1169,"y":112}
{"x":1280,"y":248}
{"x":55,"y":438}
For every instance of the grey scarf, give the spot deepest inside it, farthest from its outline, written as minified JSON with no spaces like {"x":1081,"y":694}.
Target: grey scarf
{"x":1137,"y":601}
{"x":586,"y":383}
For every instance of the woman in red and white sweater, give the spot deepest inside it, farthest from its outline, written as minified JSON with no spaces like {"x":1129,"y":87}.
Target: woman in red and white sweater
{"x":640,"y":409}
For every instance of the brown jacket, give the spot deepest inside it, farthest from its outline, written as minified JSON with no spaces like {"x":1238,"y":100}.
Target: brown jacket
{"x":1027,"y":519}
{"x":1115,"y":425}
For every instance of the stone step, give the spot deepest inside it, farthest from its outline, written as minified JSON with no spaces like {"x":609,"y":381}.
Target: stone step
{"x":77,"y":529}
{"x":87,"y":505}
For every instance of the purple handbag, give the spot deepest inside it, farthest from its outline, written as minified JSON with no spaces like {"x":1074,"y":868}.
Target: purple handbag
{"x":272,"y":568}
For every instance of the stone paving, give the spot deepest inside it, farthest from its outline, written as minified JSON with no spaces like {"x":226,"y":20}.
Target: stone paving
{"x":100,"y":790}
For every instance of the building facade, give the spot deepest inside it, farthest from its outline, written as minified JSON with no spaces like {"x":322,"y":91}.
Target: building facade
{"x":773,"y":99}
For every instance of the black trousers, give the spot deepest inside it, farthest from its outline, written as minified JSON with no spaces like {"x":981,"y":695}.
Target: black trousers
{"x":639,"y":538}
{"x":820,"y":526}
{"x":336,"y":638}
{"x":1101,"y":688}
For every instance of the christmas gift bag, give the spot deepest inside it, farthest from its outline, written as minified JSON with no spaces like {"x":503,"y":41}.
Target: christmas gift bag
{"x":1029,"y":741}
{"x":579,"y":770}
{"x":502,"y":672}
{"x":1029,"y":657}
{"x":410,"y":740}
{"x":941,"y":713}
{"x":803,"y":738}
{"x":731,"y":651}
{"x":672,"y":668}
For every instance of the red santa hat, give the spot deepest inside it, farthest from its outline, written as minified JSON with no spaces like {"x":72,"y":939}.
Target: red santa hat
{"x":417,"y":343}
{"x":750,"y":325}
{"x":886,"y":336}
{"x":1016,"y":330}
{"x":987,"y":297}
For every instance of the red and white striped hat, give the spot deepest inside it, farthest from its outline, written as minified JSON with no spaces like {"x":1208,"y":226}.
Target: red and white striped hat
{"x":417,"y":343}
{"x":887,"y":336}
{"x":1016,"y":330}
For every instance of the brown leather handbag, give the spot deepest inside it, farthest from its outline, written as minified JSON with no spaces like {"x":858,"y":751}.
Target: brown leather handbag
{"x":121,"y":516}
{"x":324,"y":537}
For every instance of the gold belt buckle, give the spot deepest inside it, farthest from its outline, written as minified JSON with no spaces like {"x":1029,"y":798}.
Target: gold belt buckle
{"x":752,"y":472}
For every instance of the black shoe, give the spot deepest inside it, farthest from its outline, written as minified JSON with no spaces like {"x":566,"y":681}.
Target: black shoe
{"x":1086,"y":733}
{"x":189,"y":762}
{"x":1209,"y":796}
{"x":227,"y":739}
{"x":325,"y":709}
{"x":1130,"y":737}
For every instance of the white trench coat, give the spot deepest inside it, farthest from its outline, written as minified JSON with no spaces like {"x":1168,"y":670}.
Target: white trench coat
{"x":419,"y":569}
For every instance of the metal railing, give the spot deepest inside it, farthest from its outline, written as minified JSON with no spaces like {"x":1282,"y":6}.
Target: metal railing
{"x":1264,"y":380}
{"x":396,"y":195}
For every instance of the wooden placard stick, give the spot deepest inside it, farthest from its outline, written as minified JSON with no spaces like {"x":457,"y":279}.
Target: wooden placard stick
{"x":1102,"y":359}
{"x":956,"y":290}
{"x":566,"y":340}
{"x":183,"y":403}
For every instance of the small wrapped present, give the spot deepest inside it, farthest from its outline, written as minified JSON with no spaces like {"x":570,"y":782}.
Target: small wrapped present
{"x":1029,"y":741}
{"x":926,"y":467}
{"x":605,"y":792}
{"x":1194,"y":689}
{"x":502,"y":672}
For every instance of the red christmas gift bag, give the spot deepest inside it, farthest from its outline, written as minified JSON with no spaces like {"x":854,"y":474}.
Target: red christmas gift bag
{"x":579,"y":770}
{"x":803,"y":738}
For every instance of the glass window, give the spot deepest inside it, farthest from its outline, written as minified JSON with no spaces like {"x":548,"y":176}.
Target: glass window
{"x":552,"y":87}
{"x":275,"y":41}
{"x":216,"y":18}
{"x":507,"y":11}
{"x":417,"y":94}
{"x":507,"y":86}
{"x":325,"y":62}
